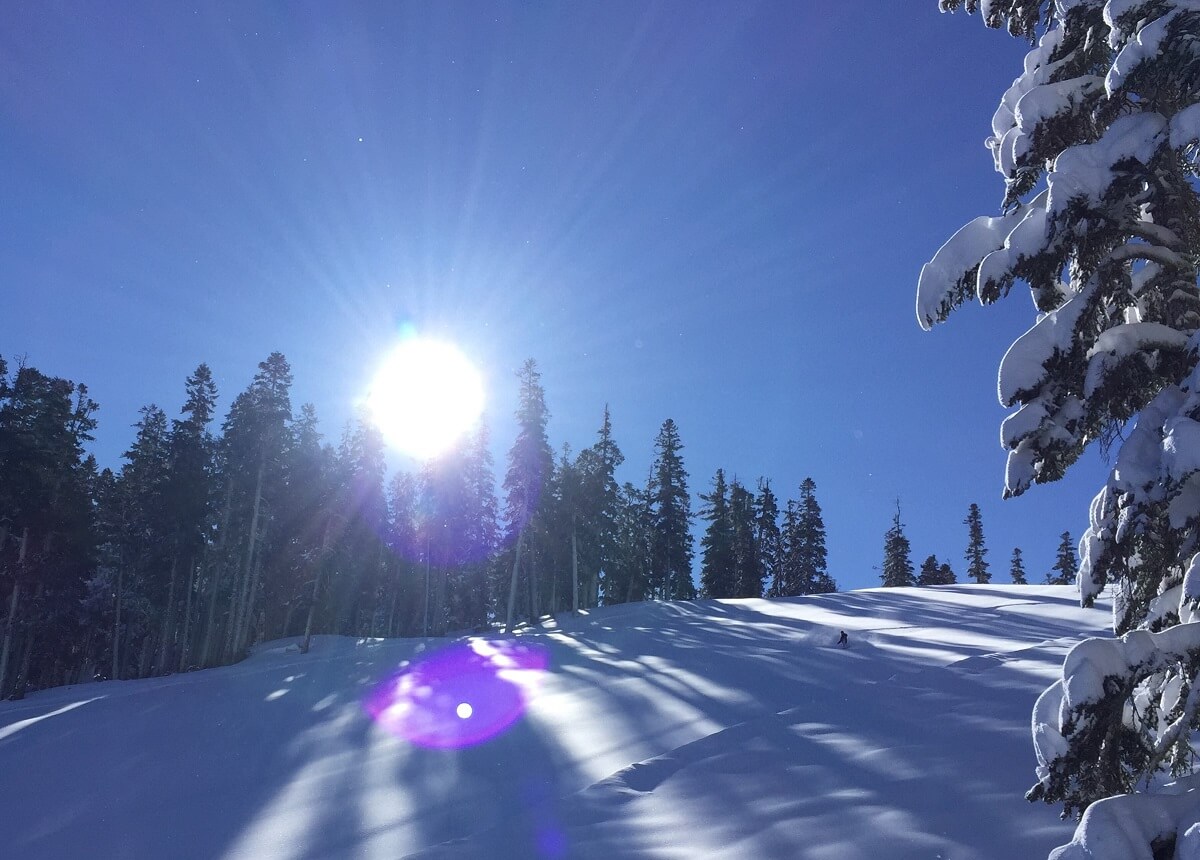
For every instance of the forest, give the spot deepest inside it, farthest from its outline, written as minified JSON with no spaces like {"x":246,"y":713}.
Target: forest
{"x":209,"y":538}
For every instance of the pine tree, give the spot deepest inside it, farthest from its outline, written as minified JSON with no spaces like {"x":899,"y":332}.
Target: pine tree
{"x":599,"y":503}
{"x":628,"y":576}
{"x":1017,"y":568}
{"x":717,"y":577}
{"x":251,"y":457}
{"x":47,"y":542}
{"x":977,"y":567}
{"x":671,"y":516}
{"x":812,"y":575}
{"x":897,"y":566}
{"x":1097,"y":141}
{"x":530,"y":462}
{"x":934,"y":572}
{"x":930,"y":573}
{"x":1065,"y":563}
{"x":747,"y":560}
{"x":768,"y":537}
{"x":189,"y":499}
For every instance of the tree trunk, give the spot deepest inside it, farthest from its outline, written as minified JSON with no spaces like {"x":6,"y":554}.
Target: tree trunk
{"x":13,"y":605}
{"x":439,"y":611}
{"x":143,"y":666}
{"x":512,"y":586}
{"x":164,"y":645}
{"x":322,"y":559}
{"x":534,"y":614}
{"x":574,"y":571}
{"x":116,"y":643}
{"x":6,"y":648}
{"x":22,"y":679}
{"x":215,"y":574}
{"x":252,"y":598}
{"x":185,"y":640}
{"x":242,"y":607}
{"x":391,"y":625}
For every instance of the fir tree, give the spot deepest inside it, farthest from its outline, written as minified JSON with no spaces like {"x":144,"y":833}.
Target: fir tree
{"x":1101,"y":219}
{"x":600,"y":503}
{"x":768,"y":537}
{"x":1065,"y":563}
{"x":1017,"y":567}
{"x":934,"y":572}
{"x":813,"y":574}
{"x":530,"y":462}
{"x":670,"y":506}
{"x":897,"y":565}
{"x":977,"y":567}
{"x":747,"y":560}
{"x":717,"y":578}
{"x":930,"y":573}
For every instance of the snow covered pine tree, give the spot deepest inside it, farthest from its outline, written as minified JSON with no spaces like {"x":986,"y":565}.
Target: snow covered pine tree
{"x":1097,"y":141}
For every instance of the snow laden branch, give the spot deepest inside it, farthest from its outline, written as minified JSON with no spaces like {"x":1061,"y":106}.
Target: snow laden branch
{"x":1122,"y":711}
{"x":1098,"y":143}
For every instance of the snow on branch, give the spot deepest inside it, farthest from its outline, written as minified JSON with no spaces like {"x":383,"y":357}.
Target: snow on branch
{"x":1113,"y":694}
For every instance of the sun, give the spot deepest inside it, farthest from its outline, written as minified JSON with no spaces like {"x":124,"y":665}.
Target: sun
{"x":425,"y":396}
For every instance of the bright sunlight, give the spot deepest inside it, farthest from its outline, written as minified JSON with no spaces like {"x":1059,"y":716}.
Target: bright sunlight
{"x":425,"y":396}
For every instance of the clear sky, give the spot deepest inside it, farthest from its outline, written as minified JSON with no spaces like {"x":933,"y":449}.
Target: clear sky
{"x":713,"y":212}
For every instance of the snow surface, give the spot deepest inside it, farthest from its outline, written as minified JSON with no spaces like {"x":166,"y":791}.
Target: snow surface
{"x":723,"y":729}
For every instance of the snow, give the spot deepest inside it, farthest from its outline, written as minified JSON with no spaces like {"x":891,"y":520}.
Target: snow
{"x":717,"y":729}
{"x":1022,"y":367}
{"x":1006,"y":130}
{"x":1085,"y":172}
{"x":1144,"y":46}
{"x":1122,"y":828}
{"x":947,"y":278}
{"x":1118,"y":343}
{"x":1185,"y":127}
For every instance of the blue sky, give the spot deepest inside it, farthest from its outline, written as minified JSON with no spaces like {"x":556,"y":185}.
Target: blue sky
{"x":702,"y":211}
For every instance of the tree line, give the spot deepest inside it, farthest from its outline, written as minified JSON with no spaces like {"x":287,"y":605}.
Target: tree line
{"x":211,"y":537}
{"x":898,"y":571}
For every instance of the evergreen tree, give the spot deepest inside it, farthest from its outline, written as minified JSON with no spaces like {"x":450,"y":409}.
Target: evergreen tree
{"x":600,"y":504}
{"x":530,"y":462}
{"x":189,"y":499}
{"x":747,"y":561}
{"x":812,"y":575}
{"x":1065,"y":563}
{"x":717,"y":578}
{"x":790,"y":579}
{"x":897,"y":565}
{"x":475,"y":600}
{"x":977,"y":567}
{"x":768,"y":536}
{"x":670,"y":519}
{"x":1017,"y":569}
{"x":930,"y":573}
{"x":144,"y":545}
{"x":251,"y":463}
{"x":1097,"y":142}
{"x":47,"y":542}
{"x":934,"y":572}
{"x":628,"y":576}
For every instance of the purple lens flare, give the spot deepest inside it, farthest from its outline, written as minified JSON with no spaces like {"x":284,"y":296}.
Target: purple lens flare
{"x":460,"y":696}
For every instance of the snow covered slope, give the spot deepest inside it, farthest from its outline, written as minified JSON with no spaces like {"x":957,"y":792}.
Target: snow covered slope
{"x":726,"y":729}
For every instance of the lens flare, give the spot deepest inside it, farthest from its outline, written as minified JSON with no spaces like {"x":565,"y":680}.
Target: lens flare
{"x":461,"y":696}
{"x":425,"y":395}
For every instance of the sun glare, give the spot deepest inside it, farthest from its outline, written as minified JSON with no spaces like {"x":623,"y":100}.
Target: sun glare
{"x":425,"y":396}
